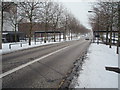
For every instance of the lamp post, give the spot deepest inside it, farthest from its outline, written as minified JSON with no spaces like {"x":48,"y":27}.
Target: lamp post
{"x":97,"y":26}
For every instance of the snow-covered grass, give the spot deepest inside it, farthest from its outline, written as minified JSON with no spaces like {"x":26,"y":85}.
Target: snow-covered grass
{"x":94,"y":74}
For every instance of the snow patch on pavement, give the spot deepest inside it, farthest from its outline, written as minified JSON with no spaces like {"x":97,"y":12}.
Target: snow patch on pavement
{"x":94,"y":74}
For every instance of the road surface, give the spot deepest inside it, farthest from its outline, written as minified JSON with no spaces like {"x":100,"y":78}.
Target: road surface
{"x":41,"y":67}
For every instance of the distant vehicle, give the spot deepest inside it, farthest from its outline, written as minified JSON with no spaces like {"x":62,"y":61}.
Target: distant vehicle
{"x":87,"y":38}
{"x":97,"y":36}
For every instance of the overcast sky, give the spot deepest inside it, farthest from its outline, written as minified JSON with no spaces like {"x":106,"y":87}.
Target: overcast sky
{"x":80,"y":9}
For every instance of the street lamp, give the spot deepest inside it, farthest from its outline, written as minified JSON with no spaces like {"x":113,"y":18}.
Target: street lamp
{"x":97,"y":26}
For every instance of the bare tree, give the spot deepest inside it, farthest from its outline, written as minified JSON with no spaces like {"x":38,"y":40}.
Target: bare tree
{"x":1,"y":25}
{"x":51,"y":14}
{"x":46,"y":16}
{"x":65,"y":22}
{"x":3,"y":7}
{"x":108,"y":15}
{"x":13,"y":18}
{"x":56,"y":16}
{"x":71,"y":25}
{"x":30,"y":11}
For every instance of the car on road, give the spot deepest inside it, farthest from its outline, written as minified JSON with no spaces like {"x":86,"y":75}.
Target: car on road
{"x":87,"y":38}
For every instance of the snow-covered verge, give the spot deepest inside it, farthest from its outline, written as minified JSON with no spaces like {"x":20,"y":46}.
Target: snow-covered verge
{"x":17,"y":46}
{"x":93,"y":73}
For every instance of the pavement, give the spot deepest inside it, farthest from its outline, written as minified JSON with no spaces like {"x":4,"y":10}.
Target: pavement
{"x":41,"y":67}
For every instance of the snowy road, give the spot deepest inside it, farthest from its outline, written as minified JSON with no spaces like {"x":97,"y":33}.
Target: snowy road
{"x":54,"y":62}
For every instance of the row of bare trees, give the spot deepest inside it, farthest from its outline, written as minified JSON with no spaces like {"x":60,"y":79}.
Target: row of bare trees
{"x":52,"y":14}
{"x":107,"y":18}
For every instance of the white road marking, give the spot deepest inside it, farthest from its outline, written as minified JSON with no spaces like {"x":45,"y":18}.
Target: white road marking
{"x":29,"y":63}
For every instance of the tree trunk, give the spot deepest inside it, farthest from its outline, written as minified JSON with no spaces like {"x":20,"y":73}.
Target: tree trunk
{"x":64,"y":35}
{"x":118,"y":42}
{"x":59,"y":37}
{"x":69,"y":34}
{"x":110,"y":36}
{"x":111,"y":25}
{"x":102,"y":37}
{"x":54,"y":37}
{"x":114,"y":38}
{"x":107,"y":35}
{"x":98,"y":30}
{"x":0,"y":40}
{"x":45,"y":33}
{"x":1,"y":23}
{"x":30,"y":32}
{"x":54,"y":34}
{"x":15,"y":33}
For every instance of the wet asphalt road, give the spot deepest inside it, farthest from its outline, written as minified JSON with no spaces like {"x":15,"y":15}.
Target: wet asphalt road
{"x":45,"y":73}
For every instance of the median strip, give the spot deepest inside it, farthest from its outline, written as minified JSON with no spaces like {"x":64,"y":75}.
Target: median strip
{"x":29,"y":63}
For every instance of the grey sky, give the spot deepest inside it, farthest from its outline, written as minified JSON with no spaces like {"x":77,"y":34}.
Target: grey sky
{"x":79,"y":8}
{"x":80,"y":11}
